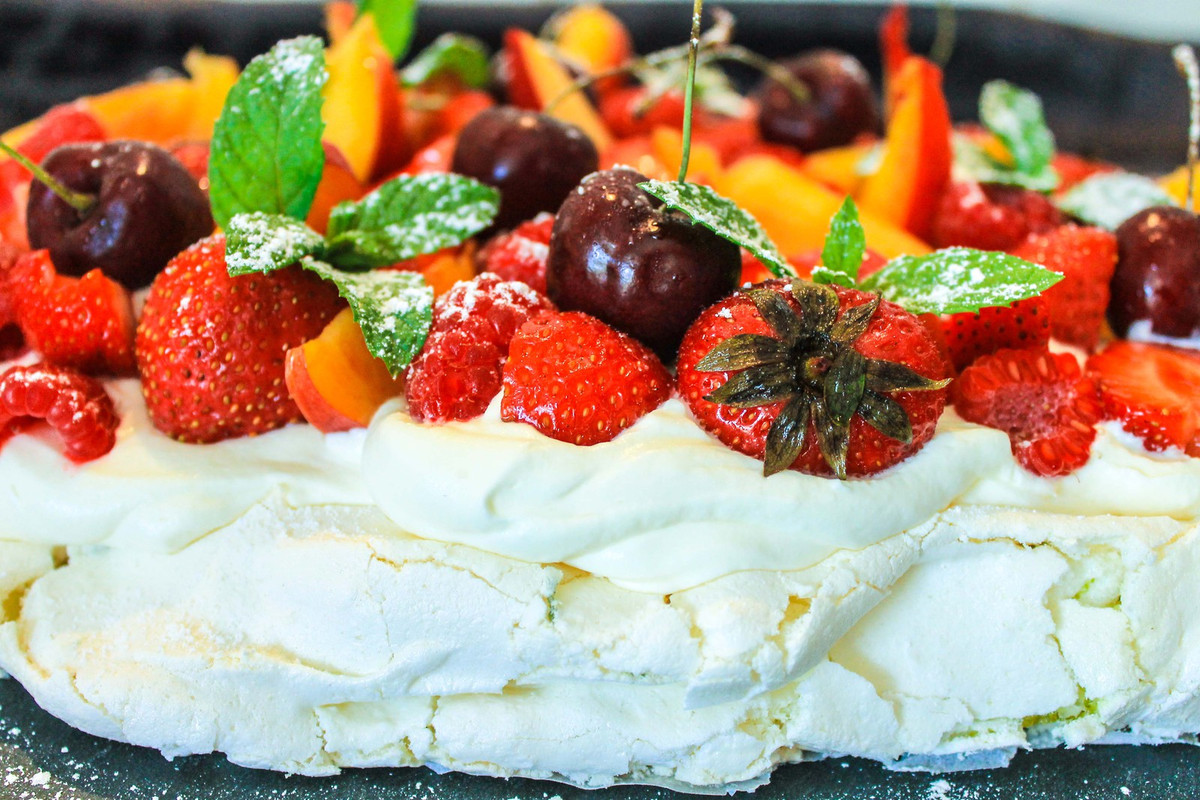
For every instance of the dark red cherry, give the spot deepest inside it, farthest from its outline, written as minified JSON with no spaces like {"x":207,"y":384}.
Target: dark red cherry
{"x":534,"y":160}
{"x":842,"y":104}
{"x":1158,"y":273}
{"x":618,"y":254}
{"x":148,"y":208}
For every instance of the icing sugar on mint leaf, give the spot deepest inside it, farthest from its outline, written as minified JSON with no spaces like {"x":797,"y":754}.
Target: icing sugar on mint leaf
{"x":958,"y":279}
{"x":845,"y":246}
{"x":259,"y":242}
{"x":723,"y":217}
{"x":1108,"y":199}
{"x":266,"y":152}
{"x":409,"y":216}
{"x":395,"y":20}
{"x":1014,"y":116}
{"x":463,"y":57}
{"x":393,"y":308}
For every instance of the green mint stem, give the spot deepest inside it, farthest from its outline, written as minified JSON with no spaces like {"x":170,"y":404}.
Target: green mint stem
{"x":80,"y":201}
{"x":1185,"y":59}
{"x":690,"y":89}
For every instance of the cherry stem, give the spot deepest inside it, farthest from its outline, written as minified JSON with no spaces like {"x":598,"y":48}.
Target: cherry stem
{"x":690,"y":89}
{"x":945,"y":35}
{"x":80,"y":201}
{"x":1185,"y":60}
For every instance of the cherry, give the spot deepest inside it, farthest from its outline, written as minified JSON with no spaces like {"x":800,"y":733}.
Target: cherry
{"x":146,"y":209}
{"x":842,"y":104}
{"x":616,"y":253}
{"x":533,"y":159}
{"x":1157,"y":277}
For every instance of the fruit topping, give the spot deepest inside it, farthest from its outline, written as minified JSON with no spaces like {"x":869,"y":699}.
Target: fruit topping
{"x":76,"y":406}
{"x":1154,"y":391}
{"x":521,"y":254}
{"x":211,"y":347}
{"x":821,"y":379}
{"x":1157,"y":277}
{"x":841,"y":104}
{"x":534,"y":160}
{"x":991,"y":216}
{"x":1042,"y":400}
{"x":458,"y":372}
{"x":145,"y":208}
{"x":86,"y":323}
{"x":578,"y":380}
{"x":618,"y":254}
{"x":1024,"y":324}
{"x":1085,"y":257}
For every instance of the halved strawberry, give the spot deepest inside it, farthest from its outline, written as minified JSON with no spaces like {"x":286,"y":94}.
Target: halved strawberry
{"x":1024,"y":324}
{"x":85,"y":322}
{"x":577,"y":380}
{"x":1042,"y":400}
{"x":1154,"y":390}
{"x":991,"y":216}
{"x":1086,"y":258}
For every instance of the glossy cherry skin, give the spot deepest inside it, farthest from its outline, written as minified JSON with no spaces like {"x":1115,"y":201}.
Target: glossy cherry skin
{"x":842,"y":103}
{"x":534,"y":160}
{"x":616,"y":253}
{"x":1157,"y":277}
{"x":148,"y":209}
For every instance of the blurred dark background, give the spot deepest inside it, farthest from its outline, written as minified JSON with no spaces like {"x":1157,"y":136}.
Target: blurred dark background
{"x":1105,"y":96}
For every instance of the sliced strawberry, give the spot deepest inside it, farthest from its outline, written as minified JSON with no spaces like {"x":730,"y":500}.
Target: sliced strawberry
{"x":1024,"y":324}
{"x":1086,"y":258}
{"x":73,"y":404}
{"x":1154,"y":390}
{"x":991,"y":216}
{"x":1073,"y":169}
{"x":211,"y":348}
{"x":85,"y":322}
{"x":458,"y":371}
{"x":521,"y":254}
{"x":577,"y":380}
{"x":1042,"y":400}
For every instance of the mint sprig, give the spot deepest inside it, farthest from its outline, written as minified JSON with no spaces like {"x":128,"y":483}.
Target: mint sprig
{"x":845,"y":246}
{"x":266,"y":152}
{"x":395,"y":20}
{"x":1108,"y":199}
{"x":1015,"y":117}
{"x":408,"y":216}
{"x":463,"y":57}
{"x":723,"y":217}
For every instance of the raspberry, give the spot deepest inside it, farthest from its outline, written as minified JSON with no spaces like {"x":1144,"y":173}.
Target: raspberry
{"x":73,"y":404}
{"x":458,"y":371}
{"x":520,"y":254}
{"x":991,"y":216}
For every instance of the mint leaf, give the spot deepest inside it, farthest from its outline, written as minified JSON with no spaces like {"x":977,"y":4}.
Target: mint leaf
{"x":395,"y":21}
{"x":1015,"y":116}
{"x":464,"y":57}
{"x":721,"y":216}
{"x":266,"y":148}
{"x":1110,"y":198}
{"x":845,"y":245}
{"x":258,"y":242}
{"x":958,"y":279}
{"x":393,"y":308}
{"x":408,"y":216}
{"x":973,"y":161}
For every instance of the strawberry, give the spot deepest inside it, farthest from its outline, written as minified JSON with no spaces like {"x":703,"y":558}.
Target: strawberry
{"x":211,"y":348}
{"x":85,"y":322}
{"x":457,"y":372}
{"x":991,"y":216}
{"x":628,"y":112}
{"x":76,"y":406}
{"x":521,"y":254}
{"x":1154,"y":390}
{"x":1086,"y":257}
{"x":805,"y":262}
{"x":1024,"y":324}
{"x":577,"y":380}
{"x":821,"y":379}
{"x":1042,"y":400}
{"x":1073,"y":170}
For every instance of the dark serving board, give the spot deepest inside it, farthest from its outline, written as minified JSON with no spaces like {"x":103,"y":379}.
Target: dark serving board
{"x":1105,"y":96}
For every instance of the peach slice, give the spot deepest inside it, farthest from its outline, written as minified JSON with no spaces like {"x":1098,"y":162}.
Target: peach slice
{"x":595,"y":39}
{"x":335,"y":380}
{"x":338,"y":183}
{"x":536,"y":78}
{"x":837,"y":167}
{"x":795,"y":209}
{"x":704,"y":163}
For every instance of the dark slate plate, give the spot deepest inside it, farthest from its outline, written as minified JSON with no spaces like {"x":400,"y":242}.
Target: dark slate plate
{"x":1105,"y":96}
